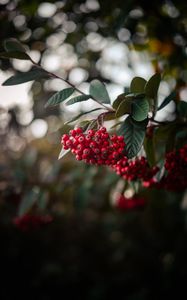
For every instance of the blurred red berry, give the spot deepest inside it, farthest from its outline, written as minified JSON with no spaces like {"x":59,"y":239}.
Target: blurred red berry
{"x":125,"y":204}
{"x":29,"y":222}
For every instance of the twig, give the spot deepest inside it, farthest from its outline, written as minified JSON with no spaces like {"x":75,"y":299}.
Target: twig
{"x":69,"y":83}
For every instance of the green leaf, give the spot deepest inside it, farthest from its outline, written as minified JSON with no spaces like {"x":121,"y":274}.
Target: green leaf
{"x":78,"y":99}
{"x":109,"y":116}
{"x":43,"y":200}
{"x":151,"y":90}
{"x":118,"y":101}
{"x":151,"y":87}
{"x":140,"y":109}
{"x":124,"y":108}
{"x":150,"y":150}
{"x":161,"y":133}
{"x":106,"y":116}
{"x":59,"y":97}
{"x":15,"y":54}
{"x":134,"y":133}
{"x":137,"y":85}
{"x":167,"y":100}
{"x":23,"y":77}
{"x":161,"y":137}
{"x":29,"y":199}
{"x":82,"y":114}
{"x":98,"y":91}
{"x":93,"y":124}
{"x":13,"y":45}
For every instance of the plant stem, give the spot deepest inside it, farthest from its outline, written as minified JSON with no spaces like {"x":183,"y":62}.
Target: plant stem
{"x":69,"y":83}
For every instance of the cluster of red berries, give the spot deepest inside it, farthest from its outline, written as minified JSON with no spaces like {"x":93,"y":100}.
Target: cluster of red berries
{"x":29,"y":222}
{"x":94,"y":147}
{"x":126,"y":204}
{"x":135,"y":169}
{"x":176,"y":166}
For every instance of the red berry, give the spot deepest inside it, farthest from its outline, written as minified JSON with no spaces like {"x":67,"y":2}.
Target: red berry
{"x":81,"y":139}
{"x":78,"y":130}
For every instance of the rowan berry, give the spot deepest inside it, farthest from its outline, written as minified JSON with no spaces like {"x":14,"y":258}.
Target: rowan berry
{"x":137,"y":169}
{"x":176,"y":166}
{"x":94,"y":147}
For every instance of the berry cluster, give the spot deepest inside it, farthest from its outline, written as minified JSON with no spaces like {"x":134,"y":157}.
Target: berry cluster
{"x":135,"y":169}
{"x":30,"y":222}
{"x":94,"y":147}
{"x":125,"y":204}
{"x":176,"y":166}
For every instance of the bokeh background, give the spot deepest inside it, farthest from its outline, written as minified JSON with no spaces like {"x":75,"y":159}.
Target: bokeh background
{"x":91,"y":249}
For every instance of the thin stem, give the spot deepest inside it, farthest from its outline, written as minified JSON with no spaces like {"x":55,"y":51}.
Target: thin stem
{"x":158,"y":122}
{"x":69,"y":83}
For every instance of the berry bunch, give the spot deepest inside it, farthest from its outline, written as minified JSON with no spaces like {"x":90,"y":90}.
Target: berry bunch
{"x":135,"y":169}
{"x":176,"y":166}
{"x":94,"y":147}
{"x":30,"y":222}
{"x":126,"y":204}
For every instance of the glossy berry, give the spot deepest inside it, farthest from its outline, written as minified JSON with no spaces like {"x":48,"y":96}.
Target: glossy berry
{"x":137,"y":169}
{"x":94,"y":147}
{"x":176,"y":166}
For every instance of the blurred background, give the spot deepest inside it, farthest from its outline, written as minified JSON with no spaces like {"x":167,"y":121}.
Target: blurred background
{"x":91,"y":248}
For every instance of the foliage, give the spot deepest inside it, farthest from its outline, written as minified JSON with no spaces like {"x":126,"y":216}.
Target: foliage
{"x":136,"y":110}
{"x":136,"y":206}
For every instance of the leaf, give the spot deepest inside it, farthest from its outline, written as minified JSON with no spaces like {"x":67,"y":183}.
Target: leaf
{"x":151,"y":87}
{"x":182,"y":109}
{"x":23,"y":77}
{"x":124,"y":108}
{"x":29,"y":199}
{"x":150,"y":150}
{"x":63,"y":153}
{"x":78,"y":99}
{"x":98,"y":91}
{"x":13,"y":45}
{"x":140,"y":109}
{"x":43,"y":200}
{"x":118,"y":101}
{"x":151,"y":90}
{"x":15,"y":54}
{"x":161,"y":137}
{"x":167,"y":100}
{"x":106,"y":116}
{"x":117,"y":124}
{"x":137,"y":85}
{"x":161,"y":133}
{"x":83,"y":124}
{"x":59,"y":97}
{"x":82,"y":114}
{"x":134,"y":133}
{"x":109,"y":116}
{"x":93,"y":124}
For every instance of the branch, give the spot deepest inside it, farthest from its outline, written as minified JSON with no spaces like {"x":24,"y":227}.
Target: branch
{"x":69,"y":83}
